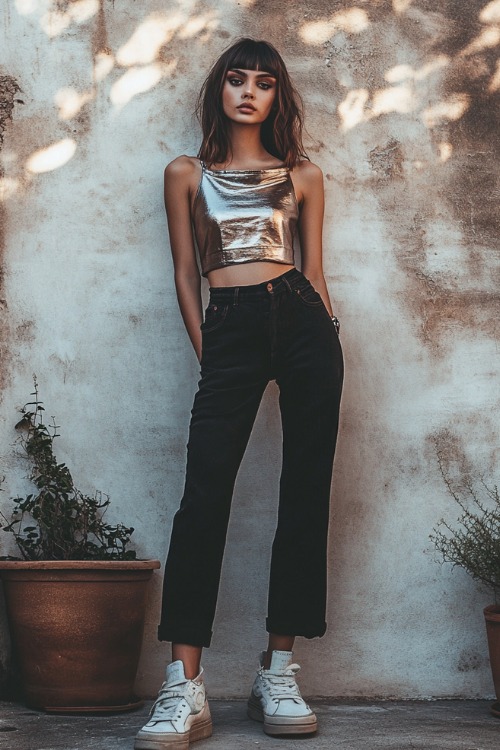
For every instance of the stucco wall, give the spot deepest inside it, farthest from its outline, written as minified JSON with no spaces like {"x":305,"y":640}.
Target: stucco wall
{"x":96,"y":96}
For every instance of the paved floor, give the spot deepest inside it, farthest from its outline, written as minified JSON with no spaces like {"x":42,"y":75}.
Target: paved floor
{"x":398,"y":725}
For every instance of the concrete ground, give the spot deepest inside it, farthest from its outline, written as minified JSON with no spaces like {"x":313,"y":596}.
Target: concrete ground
{"x":347,"y":725}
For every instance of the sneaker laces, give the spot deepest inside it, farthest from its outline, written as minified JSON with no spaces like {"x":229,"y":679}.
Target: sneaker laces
{"x":283,"y":686}
{"x":165,"y":706}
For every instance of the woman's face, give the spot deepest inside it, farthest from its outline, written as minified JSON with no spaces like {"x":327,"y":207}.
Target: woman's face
{"x":248,"y":95}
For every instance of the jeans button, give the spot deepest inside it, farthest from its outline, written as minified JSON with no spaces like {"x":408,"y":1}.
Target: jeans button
{"x":269,"y":287}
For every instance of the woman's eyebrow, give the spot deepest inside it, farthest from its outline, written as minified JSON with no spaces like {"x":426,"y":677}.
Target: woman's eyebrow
{"x":242,"y":73}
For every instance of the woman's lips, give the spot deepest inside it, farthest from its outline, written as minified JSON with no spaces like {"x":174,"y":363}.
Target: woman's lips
{"x":246,"y":107}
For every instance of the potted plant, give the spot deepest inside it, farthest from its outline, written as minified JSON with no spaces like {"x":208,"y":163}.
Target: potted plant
{"x":76,"y":598}
{"x":473,"y":543}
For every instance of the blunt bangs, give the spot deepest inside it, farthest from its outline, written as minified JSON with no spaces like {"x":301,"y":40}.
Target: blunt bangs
{"x":250,"y":54}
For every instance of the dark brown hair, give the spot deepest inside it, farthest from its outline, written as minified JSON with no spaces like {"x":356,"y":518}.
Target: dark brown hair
{"x":281,"y":132}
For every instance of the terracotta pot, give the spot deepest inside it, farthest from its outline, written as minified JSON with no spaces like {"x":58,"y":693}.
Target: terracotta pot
{"x":492,"y":618}
{"x":77,"y":628}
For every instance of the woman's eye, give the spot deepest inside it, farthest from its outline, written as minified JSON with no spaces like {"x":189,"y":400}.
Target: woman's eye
{"x":234,"y":81}
{"x":265,"y":86}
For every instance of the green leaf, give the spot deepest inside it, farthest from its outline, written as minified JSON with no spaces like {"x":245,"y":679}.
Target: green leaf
{"x":67,"y":524}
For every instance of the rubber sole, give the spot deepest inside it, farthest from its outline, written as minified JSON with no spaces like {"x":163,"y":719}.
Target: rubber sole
{"x":199,"y":731}
{"x":275,"y":725}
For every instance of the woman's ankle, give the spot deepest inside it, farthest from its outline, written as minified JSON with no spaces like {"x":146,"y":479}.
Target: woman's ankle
{"x":190,"y":656}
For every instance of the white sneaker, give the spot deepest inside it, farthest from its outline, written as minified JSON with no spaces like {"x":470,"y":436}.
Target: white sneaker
{"x":276,"y":698}
{"x":179,"y":715}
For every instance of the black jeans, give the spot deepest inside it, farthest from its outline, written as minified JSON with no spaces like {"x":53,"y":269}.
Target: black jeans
{"x":279,"y":329}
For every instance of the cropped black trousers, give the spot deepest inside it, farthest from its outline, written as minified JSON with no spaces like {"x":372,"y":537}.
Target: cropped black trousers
{"x":279,"y":329}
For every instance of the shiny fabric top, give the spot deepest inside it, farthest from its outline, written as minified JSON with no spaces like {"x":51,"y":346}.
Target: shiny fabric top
{"x":244,"y":215}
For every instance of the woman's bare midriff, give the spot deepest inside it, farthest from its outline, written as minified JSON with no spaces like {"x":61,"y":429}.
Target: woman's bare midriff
{"x":246,"y":273}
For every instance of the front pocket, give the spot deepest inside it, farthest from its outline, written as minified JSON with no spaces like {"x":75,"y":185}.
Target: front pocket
{"x":215,"y":315}
{"x":309,"y":296}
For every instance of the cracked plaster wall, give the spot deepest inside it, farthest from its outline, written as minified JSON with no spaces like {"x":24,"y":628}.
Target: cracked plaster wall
{"x":401,"y":97}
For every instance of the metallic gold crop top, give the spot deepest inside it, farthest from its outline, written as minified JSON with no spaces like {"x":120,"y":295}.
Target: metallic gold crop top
{"x":244,"y":215}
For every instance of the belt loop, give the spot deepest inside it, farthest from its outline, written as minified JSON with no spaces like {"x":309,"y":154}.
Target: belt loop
{"x":235,"y":298}
{"x":287,"y":283}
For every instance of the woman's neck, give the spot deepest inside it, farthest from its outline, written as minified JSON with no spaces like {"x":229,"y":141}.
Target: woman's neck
{"x":246,"y":146}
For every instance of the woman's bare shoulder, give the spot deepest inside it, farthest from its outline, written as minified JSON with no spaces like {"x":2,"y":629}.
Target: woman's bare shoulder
{"x":184,"y":167}
{"x":307,"y":170}
{"x":307,"y":179}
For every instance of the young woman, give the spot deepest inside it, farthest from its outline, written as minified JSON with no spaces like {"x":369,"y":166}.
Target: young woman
{"x":246,"y":193}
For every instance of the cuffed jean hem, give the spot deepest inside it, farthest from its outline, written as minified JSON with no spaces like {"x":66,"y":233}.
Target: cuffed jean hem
{"x":188,"y":635}
{"x":293,"y":629}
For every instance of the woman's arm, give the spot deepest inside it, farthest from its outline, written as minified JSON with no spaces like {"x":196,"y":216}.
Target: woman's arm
{"x":180,"y":182}
{"x":308,"y":179}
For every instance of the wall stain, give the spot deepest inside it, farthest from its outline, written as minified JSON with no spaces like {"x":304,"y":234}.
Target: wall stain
{"x":387,"y":161}
{"x":25,"y":331}
{"x":100,"y":33}
{"x":469,"y":662}
{"x":9,"y":87}
{"x":471,"y":185}
{"x":61,"y":6}
{"x":451,"y":450}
